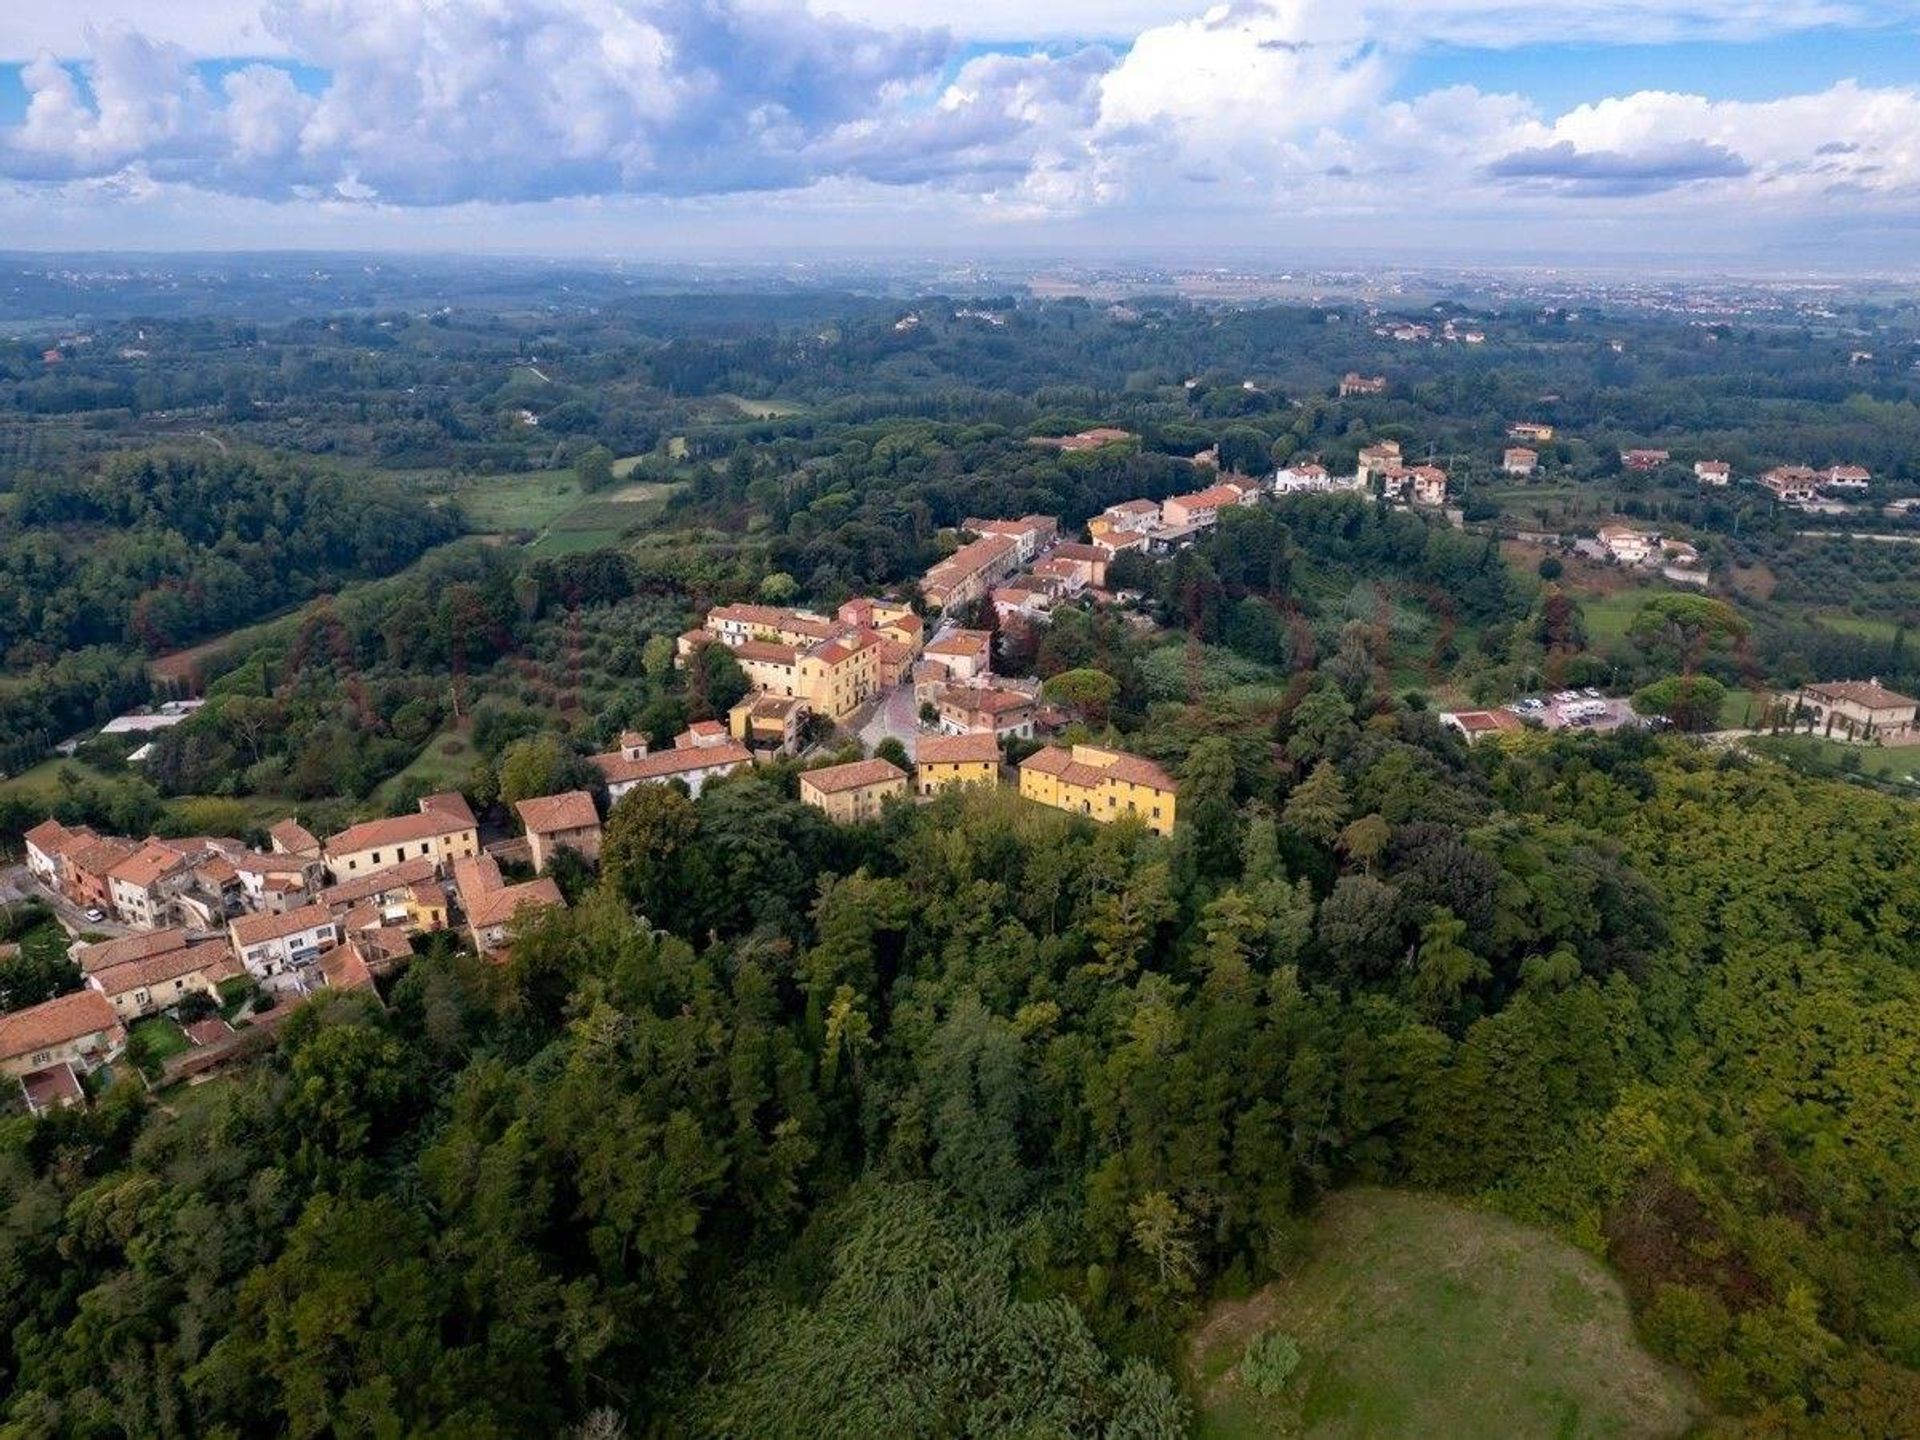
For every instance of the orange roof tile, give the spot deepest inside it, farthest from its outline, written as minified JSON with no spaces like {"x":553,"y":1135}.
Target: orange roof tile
{"x":975,"y":749}
{"x":836,"y":779}
{"x":256,"y":929}
{"x":573,"y":810}
{"x":56,"y":1022}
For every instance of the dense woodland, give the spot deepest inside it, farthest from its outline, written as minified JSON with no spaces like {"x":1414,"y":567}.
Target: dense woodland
{"x":956,"y":1122}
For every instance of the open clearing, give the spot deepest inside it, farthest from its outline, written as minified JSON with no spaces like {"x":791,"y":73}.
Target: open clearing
{"x":763,"y":409}
{"x":442,"y":764}
{"x":1419,"y":1317}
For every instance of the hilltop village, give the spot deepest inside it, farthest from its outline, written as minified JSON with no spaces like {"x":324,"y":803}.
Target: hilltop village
{"x":214,"y":931}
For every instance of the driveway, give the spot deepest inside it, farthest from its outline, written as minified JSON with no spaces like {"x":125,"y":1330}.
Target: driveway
{"x":895,"y":714}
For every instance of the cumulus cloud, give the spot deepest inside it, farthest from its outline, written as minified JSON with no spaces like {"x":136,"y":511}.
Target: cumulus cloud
{"x":1616,"y":172}
{"x":1249,"y":109}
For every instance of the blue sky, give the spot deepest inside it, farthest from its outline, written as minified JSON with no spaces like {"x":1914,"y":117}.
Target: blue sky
{"x":1592,"y":128}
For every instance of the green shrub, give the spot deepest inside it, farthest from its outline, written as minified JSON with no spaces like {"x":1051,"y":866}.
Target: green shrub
{"x":1269,"y":1363}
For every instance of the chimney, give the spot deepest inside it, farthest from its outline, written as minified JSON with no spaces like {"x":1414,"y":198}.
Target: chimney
{"x":633,"y":745}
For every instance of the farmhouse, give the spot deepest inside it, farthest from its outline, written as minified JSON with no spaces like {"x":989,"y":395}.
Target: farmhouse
{"x":852,"y":792}
{"x":1855,"y":710}
{"x":47,"y":1047}
{"x":563,"y":822}
{"x":444,"y":831}
{"x":1103,"y":784}
{"x":943,"y":762}
{"x":693,"y":761}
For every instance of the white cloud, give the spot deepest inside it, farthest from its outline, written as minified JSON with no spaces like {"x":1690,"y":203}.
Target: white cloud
{"x":1258,"y":111}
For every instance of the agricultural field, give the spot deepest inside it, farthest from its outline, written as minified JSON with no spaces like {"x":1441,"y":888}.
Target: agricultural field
{"x":1414,"y":1315}
{"x":509,"y":504}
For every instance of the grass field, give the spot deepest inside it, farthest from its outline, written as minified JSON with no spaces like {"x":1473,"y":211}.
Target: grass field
{"x":1416,"y":1316}
{"x":1817,"y":755}
{"x":532,"y":500}
{"x":763,"y":409}
{"x":442,"y":765}
{"x":1608,"y":616}
{"x":1866,"y":627}
{"x":154,"y":1041}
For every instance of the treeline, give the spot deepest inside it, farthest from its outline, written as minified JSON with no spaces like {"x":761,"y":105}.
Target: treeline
{"x":157,"y":549}
{"x":956,"y":1119}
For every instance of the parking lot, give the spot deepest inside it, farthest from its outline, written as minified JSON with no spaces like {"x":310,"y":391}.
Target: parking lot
{"x":1576,"y":710}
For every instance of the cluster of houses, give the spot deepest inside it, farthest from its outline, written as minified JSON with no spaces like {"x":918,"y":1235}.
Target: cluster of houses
{"x":1650,"y":550}
{"x":303,"y":916}
{"x":1090,"y":780}
{"x":1803,"y":487}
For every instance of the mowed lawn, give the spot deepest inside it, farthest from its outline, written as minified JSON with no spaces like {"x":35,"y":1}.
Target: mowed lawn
{"x":1419,"y":1317}
{"x":1608,"y":616}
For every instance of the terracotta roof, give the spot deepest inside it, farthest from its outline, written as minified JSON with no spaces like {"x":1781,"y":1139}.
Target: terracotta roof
{"x":293,"y":837}
{"x":572,"y":811}
{"x":1868,"y":694}
{"x":148,"y":865}
{"x":384,"y":945}
{"x":99,"y":856}
{"x":1213,"y":496}
{"x":474,"y":875}
{"x":256,"y":929}
{"x":50,"y":837}
{"x":845,"y":647}
{"x":252,"y":863}
{"x":1132,"y":769}
{"x":450,"y":803}
{"x":979,"y":748}
{"x":985,"y":701}
{"x":962,"y":642}
{"x":205,"y":1032}
{"x":397,"y":830}
{"x":109,"y":953}
{"x":158,"y":969}
{"x":666,"y":764}
{"x":379,"y":882}
{"x":836,"y":779}
{"x":496,"y":907}
{"x":55,"y":1022}
{"x":1074,"y":550}
{"x":345,"y":968}
{"x":216,"y":871}
{"x":772,"y":617}
{"x":767,"y":652}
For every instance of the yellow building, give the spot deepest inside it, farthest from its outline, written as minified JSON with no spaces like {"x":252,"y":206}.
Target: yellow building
{"x":832,"y":678}
{"x":443,"y":831}
{"x":946,"y":761}
{"x":1103,"y":784}
{"x":852,"y":792}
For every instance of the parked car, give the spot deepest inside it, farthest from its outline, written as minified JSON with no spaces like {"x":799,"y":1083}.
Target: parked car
{"x":95,"y":915}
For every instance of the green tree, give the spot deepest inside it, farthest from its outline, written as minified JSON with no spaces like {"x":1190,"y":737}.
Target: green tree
{"x":1317,"y":807}
{"x":594,"y":469}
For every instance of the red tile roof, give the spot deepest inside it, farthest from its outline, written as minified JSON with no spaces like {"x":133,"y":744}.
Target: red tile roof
{"x":837,"y":779}
{"x":396,"y":830}
{"x":975,"y":749}
{"x":109,"y":953}
{"x":158,"y":969}
{"x":665,"y":764}
{"x":56,"y":1022}
{"x":573,"y":810}
{"x":257,"y":929}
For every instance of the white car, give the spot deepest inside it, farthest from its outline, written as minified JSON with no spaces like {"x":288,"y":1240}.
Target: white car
{"x":1591,"y":693}
{"x":94,"y":915}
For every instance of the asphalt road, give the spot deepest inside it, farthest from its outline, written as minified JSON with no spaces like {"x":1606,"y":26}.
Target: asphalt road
{"x":17,"y":884}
